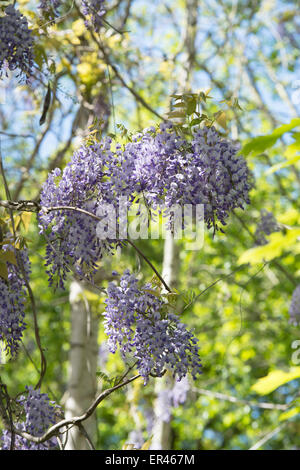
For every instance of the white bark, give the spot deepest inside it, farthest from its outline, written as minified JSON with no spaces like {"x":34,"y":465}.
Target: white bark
{"x":82,"y":369}
{"x":161,"y":432}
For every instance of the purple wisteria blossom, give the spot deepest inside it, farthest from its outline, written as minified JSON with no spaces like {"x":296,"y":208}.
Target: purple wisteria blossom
{"x":158,"y":168}
{"x":138,"y":323}
{"x":95,"y":10}
{"x":295,"y":307}
{"x":180,"y":391}
{"x":86,"y":183}
{"x":12,"y":302}
{"x":39,"y":416}
{"x":167,"y":169}
{"x":266,"y":226}
{"x":16,"y":43}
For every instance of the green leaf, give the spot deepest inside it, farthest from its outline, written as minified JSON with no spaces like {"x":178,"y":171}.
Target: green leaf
{"x":289,"y":414}
{"x":26,"y":218}
{"x":278,"y":243}
{"x":176,"y":114}
{"x":52,"y":68}
{"x":286,"y":127}
{"x":177,"y":97}
{"x":222,"y":120}
{"x":259,"y":144}
{"x":179,"y":105}
{"x":40,"y":56}
{"x":3,"y":271}
{"x":191,"y":107}
{"x":196,"y":121}
{"x":275,"y":379}
{"x":8,"y":256}
{"x":146,"y":445}
{"x":152,"y":292}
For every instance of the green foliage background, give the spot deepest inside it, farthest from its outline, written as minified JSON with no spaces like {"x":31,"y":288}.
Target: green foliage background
{"x":242,"y":321}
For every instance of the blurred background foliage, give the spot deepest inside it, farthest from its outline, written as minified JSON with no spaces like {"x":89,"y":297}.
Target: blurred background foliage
{"x":245,"y":50}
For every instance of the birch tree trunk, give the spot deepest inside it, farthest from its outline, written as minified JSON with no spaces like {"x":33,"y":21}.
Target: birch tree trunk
{"x":82,"y":369}
{"x":161,"y":432}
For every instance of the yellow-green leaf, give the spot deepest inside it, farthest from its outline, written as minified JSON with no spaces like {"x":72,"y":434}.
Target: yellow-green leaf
{"x":8,"y":256}
{"x":278,"y":243}
{"x":176,"y":114}
{"x":221,"y":119}
{"x":281,"y":165}
{"x":260,"y":144}
{"x":3,"y":271}
{"x":289,"y":414}
{"x":293,"y":148}
{"x":275,"y":379}
{"x":128,"y":447}
{"x":147,"y":444}
{"x":152,"y":292}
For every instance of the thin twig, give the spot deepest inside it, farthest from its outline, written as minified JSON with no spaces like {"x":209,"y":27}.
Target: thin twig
{"x":232,"y":399}
{"x":268,"y":436}
{"x":130,"y":242}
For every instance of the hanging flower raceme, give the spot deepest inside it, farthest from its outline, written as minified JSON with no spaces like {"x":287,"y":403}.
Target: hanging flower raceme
{"x":40,"y":414}
{"x":170,"y":397}
{"x":266,"y":226}
{"x":158,"y":167}
{"x":295,"y":307}
{"x":169,"y":170}
{"x":16,"y":43}
{"x":86,"y":183}
{"x":95,"y":10}
{"x":154,"y":161}
{"x":180,"y":391}
{"x":216,"y":176}
{"x":12,"y":298}
{"x":139,"y":323}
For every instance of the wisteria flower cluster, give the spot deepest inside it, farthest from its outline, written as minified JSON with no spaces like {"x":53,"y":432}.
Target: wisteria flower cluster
{"x":295,"y":307}
{"x":12,"y":302}
{"x":166,"y":168}
{"x":16,"y":43}
{"x":95,"y":10}
{"x":39,"y":416}
{"x":180,"y":391}
{"x":136,"y":439}
{"x":152,"y":161}
{"x":138,"y":323}
{"x":84,"y":184}
{"x":218,"y":177}
{"x":171,"y":397}
{"x":266,"y":226}
{"x":157,"y":167}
